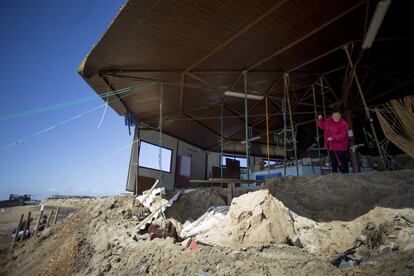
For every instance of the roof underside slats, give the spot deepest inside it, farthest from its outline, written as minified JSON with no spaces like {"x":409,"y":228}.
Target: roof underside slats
{"x":200,"y":48}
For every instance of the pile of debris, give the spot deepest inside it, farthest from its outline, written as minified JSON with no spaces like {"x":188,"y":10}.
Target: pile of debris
{"x":280,"y":229}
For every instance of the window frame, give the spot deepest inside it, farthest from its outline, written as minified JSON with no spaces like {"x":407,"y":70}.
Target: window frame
{"x":158,"y":146}
{"x":231,"y":157}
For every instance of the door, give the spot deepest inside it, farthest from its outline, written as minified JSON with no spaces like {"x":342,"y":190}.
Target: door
{"x":183,"y":172}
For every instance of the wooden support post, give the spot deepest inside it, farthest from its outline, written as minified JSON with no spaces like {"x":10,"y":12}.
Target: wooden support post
{"x":56,"y":215}
{"x":16,"y":234}
{"x":38,"y":222}
{"x":367,"y":114}
{"x":230,"y":192}
{"x":27,"y":226}
{"x":49,"y":218}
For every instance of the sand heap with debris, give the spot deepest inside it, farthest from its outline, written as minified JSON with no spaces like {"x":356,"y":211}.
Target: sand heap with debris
{"x":293,"y":226}
{"x":194,"y":203}
{"x":327,"y":215}
{"x":253,"y":219}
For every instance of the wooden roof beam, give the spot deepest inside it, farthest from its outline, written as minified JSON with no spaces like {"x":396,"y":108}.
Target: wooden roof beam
{"x":236,"y":35}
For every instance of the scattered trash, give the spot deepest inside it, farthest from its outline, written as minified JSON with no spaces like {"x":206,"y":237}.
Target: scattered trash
{"x":194,"y":245}
{"x":205,"y":222}
{"x":163,"y":231}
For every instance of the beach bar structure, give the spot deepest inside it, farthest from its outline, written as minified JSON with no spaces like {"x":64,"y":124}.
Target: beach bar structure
{"x":245,"y":80}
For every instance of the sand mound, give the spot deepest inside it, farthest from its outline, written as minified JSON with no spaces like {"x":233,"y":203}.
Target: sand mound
{"x":260,"y":218}
{"x":190,"y":206}
{"x":254,"y":218}
{"x":344,"y":197}
{"x":101,"y":238}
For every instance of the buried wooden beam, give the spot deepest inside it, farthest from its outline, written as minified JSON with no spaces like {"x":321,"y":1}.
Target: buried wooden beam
{"x":26,"y":226}
{"x":49,"y":218}
{"x":56,"y":215}
{"x":38,"y":222}
{"x":16,"y":234}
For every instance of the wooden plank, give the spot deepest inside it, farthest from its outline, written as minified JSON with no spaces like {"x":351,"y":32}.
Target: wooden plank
{"x":16,"y":235}
{"x":230,"y":192}
{"x":26,"y":227}
{"x":56,"y":216}
{"x":38,"y":223}
{"x":49,"y":218}
{"x":224,"y":180}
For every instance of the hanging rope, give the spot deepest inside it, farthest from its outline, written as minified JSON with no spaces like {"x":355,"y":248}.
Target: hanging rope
{"x":106,"y":105}
{"x":24,"y":139}
{"x":65,"y":104}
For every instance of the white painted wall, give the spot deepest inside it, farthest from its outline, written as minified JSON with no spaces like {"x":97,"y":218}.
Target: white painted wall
{"x":198,"y":158}
{"x":168,"y":142}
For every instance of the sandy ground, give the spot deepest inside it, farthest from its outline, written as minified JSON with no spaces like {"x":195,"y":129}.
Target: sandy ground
{"x":290,"y":227}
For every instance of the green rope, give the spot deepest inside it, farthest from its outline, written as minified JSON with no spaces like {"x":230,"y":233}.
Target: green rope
{"x":67,"y":120}
{"x":72,"y":102}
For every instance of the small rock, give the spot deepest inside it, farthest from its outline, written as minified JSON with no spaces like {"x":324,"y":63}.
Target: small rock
{"x":371,"y":226}
{"x":127,"y":214}
{"x":107,"y":267}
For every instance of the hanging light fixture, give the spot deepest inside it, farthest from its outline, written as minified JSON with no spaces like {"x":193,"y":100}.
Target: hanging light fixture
{"x":242,"y":95}
{"x":375,"y":23}
{"x":252,"y":139}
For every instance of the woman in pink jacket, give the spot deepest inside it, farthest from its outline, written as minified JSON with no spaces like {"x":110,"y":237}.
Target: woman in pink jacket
{"x":336,"y":140}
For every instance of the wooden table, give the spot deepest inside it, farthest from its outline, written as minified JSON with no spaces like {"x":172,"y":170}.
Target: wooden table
{"x":230,"y":184}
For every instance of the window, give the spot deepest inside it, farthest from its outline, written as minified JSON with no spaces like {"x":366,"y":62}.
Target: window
{"x":272,"y":162}
{"x":243,"y":163}
{"x":149,"y":157}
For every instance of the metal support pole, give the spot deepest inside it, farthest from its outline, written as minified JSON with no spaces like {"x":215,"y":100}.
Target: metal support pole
{"x":317,"y":129}
{"x":160,"y":130}
{"x":286,"y":76}
{"x":284,"y":132}
{"x":354,"y":76}
{"x":221,"y":143}
{"x":324,"y":117}
{"x":246,"y":126}
{"x":137,"y":133}
{"x":267,"y":136}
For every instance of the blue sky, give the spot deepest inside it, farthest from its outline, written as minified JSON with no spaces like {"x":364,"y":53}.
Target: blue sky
{"x":42,"y":44}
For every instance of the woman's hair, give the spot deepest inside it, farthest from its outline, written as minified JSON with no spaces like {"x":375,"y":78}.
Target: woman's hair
{"x":336,"y":108}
